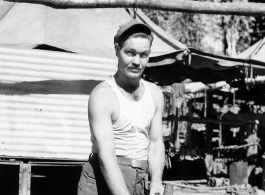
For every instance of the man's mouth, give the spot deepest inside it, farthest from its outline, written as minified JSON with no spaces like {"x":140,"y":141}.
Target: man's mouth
{"x":135,"y":69}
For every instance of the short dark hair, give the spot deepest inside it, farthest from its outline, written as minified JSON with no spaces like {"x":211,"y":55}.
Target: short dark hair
{"x":135,"y":32}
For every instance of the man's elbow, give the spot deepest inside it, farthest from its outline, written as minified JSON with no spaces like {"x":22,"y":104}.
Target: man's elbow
{"x":157,"y":145}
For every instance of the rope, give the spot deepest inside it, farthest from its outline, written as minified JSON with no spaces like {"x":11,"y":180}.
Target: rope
{"x":234,"y":147}
{"x":135,"y":8}
{"x":256,"y":49}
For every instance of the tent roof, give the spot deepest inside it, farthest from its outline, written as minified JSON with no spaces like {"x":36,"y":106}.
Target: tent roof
{"x":85,"y":31}
{"x":200,"y":66}
{"x":5,"y":8}
{"x":255,"y":52}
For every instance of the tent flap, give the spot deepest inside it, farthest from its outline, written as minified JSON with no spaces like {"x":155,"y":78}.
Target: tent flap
{"x":200,"y":66}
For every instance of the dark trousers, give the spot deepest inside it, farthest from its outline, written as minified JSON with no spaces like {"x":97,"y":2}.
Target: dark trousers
{"x":92,"y":181}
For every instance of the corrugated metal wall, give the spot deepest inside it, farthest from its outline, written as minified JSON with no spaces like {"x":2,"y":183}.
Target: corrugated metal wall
{"x":43,"y":102}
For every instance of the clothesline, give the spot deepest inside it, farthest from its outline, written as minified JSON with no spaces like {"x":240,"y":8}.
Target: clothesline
{"x":231,"y":189}
{"x":235,"y":147}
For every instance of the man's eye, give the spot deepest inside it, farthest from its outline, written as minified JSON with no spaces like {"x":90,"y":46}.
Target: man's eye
{"x":131,"y":53}
{"x":144,"y":55}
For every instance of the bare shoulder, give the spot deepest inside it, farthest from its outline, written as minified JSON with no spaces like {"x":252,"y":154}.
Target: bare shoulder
{"x":101,"y":97}
{"x":155,"y":90}
{"x":156,"y":93}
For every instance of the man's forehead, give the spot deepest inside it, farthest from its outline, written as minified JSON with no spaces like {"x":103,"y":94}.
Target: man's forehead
{"x":137,"y":42}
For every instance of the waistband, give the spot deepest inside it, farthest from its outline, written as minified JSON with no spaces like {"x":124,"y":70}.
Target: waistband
{"x":143,"y":164}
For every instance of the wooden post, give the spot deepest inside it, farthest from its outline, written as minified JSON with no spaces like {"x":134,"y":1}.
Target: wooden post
{"x":209,"y":127}
{"x":263,"y":175}
{"x":24,"y":179}
{"x":188,"y":134}
{"x":209,"y":136}
{"x":247,"y":9}
{"x":174,"y":131}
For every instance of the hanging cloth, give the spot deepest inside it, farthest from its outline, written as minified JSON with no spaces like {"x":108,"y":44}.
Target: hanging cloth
{"x":178,"y":91}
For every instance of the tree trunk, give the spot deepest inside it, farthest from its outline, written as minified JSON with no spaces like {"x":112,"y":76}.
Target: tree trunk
{"x":247,"y":9}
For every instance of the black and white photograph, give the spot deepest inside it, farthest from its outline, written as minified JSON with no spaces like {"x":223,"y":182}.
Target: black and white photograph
{"x":132,"y":97}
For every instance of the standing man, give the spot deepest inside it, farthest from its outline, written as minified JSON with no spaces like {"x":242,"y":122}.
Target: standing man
{"x":125,"y":117}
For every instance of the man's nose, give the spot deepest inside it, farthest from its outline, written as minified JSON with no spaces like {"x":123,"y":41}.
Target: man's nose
{"x":137,"y":60}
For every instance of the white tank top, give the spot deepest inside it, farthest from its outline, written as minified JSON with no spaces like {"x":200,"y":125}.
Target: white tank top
{"x":131,"y":130}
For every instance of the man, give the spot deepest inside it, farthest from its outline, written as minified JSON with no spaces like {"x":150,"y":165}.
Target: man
{"x":125,"y":117}
{"x":252,"y":151}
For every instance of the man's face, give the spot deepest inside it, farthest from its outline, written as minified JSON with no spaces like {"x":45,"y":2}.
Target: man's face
{"x":133,"y":56}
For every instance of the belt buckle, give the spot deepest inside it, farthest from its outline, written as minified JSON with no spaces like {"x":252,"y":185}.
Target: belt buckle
{"x":135,"y":163}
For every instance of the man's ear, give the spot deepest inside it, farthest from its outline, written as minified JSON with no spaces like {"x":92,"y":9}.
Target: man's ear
{"x":117,"y":49}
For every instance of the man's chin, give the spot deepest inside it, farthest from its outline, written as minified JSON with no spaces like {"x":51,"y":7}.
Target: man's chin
{"x":134,"y":75}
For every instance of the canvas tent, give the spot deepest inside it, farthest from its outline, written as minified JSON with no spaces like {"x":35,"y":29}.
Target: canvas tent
{"x":256,"y":91}
{"x":82,"y":31}
{"x":255,"y":52}
{"x":206,"y":67}
{"x":201,"y":66}
{"x":5,"y":8}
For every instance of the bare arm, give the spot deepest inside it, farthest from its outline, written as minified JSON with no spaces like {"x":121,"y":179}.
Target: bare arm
{"x":156,"y":151}
{"x":99,"y":112}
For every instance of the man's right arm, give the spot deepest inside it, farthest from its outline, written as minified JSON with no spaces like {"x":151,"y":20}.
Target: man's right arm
{"x":100,"y":109}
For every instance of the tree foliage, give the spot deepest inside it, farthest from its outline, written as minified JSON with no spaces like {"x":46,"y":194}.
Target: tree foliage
{"x":219,"y":34}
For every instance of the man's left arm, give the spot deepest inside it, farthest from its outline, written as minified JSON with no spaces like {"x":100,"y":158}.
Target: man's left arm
{"x":156,"y":150}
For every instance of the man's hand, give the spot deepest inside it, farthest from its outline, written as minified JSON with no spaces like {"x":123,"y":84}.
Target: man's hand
{"x":156,"y":188}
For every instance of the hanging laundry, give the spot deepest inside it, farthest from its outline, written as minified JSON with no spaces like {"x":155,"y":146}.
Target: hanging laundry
{"x":178,"y":91}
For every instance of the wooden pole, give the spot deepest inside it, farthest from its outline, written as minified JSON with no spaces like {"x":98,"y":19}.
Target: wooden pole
{"x":246,"y":9}
{"x":24,"y":179}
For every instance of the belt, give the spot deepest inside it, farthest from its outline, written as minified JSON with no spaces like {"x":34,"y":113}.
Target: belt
{"x":127,"y":161}
{"x":132,"y":162}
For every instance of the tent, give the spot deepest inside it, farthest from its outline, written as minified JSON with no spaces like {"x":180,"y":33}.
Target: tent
{"x":82,"y":31}
{"x":256,"y":91}
{"x":5,"y":8}
{"x":201,"y":66}
{"x":255,"y":52}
